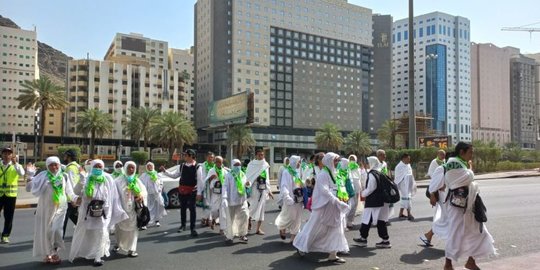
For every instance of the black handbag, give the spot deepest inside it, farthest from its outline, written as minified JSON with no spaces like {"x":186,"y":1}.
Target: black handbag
{"x":95,"y":209}
{"x":143,"y":214}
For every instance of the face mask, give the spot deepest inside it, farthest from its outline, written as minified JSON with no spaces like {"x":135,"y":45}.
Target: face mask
{"x":97,"y":171}
{"x":237,"y":169}
{"x":118,"y":169}
{"x":88,"y":168}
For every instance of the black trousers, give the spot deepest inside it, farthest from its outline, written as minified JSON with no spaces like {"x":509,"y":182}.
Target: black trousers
{"x":71,"y":213}
{"x":7,"y":204}
{"x":188,"y":201}
{"x":381,"y":229}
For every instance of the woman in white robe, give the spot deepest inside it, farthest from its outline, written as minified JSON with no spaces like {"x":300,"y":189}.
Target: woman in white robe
{"x":280,"y":174}
{"x":234,"y":200}
{"x":324,"y":231}
{"x":466,"y":236}
{"x":91,"y":237}
{"x":258,"y":169}
{"x":54,"y":190}
{"x":357,"y":175}
{"x":290,"y":217}
{"x":130,"y":190}
{"x":154,"y":187}
{"x":216,"y":179}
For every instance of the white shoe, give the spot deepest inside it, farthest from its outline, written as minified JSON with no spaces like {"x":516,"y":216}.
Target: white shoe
{"x":157,"y":224}
{"x":144,"y":228}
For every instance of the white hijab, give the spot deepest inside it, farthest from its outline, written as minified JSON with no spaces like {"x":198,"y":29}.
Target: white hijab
{"x":328,"y":161}
{"x":126,"y":167}
{"x":374,"y":163}
{"x":52,"y":160}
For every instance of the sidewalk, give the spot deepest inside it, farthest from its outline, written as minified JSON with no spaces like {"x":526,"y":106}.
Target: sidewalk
{"x":490,"y":176}
{"x":530,"y":261}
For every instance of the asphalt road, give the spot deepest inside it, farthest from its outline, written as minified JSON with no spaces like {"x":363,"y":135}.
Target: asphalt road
{"x":513,"y":220}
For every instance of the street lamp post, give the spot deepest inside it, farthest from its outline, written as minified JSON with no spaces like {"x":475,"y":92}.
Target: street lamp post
{"x":412,"y":114}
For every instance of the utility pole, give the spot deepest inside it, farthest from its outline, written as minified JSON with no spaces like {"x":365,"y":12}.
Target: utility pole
{"x":412,"y":114}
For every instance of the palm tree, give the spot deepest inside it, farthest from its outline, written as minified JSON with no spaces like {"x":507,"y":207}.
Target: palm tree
{"x":140,"y":122}
{"x":358,"y":143}
{"x":242,"y":136}
{"x":388,"y":136}
{"x":173,"y":130}
{"x":329,"y":137}
{"x":95,"y":122}
{"x":44,"y":95}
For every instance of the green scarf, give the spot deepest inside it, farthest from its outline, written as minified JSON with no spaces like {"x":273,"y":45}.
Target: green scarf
{"x":92,"y":183}
{"x":220,"y":176}
{"x":116,"y":174}
{"x":208,"y":166}
{"x":384,"y":170}
{"x":353,"y":165}
{"x":153,"y":175}
{"x":132,"y":184}
{"x":303,"y":166}
{"x":294,"y":175}
{"x":462,"y":161}
{"x":311,"y":166}
{"x":263,"y":174}
{"x":57,"y":185}
{"x":439,"y":161}
{"x":238,"y":179}
{"x":341,"y":178}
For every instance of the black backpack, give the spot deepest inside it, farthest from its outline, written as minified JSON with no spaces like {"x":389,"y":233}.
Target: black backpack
{"x":143,"y":214}
{"x":390,"y":191}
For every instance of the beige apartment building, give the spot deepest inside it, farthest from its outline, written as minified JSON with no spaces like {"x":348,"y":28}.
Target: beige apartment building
{"x":182,"y":61}
{"x":491,"y":95}
{"x":135,"y":73}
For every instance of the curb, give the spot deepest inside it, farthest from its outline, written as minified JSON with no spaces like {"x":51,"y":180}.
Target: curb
{"x":24,"y":206}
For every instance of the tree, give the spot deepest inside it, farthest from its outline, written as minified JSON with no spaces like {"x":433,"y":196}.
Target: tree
{"x":242,"y":136}
{"x":140,"y":157}
{"x":172,"y":130}
{"x":95,"y":122}
{"x":329,"y":137}
{"x":44,"y":95}
{"x":140,"y":123}
{"x":358,"y":143}
{"x":387,"y":135}
{"x":62,"y":149}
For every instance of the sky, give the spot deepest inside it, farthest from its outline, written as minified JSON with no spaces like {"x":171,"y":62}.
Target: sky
{"x":78,"y":27}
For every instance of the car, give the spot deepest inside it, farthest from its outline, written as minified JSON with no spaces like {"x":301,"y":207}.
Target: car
{"x":171,"y":194}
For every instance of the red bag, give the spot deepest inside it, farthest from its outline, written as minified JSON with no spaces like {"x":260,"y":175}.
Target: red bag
{"x":308,"y":205}
{"x":186,"y":190}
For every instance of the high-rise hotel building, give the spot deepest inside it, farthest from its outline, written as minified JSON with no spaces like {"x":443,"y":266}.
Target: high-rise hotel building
{"x":442,"y":72}
{"x":306,"y":62}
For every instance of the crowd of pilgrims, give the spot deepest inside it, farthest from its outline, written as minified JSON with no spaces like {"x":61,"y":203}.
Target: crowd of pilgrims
{"x":330,"y":187}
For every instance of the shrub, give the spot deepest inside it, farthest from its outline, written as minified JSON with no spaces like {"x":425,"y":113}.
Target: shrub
{"x":140,"y":157}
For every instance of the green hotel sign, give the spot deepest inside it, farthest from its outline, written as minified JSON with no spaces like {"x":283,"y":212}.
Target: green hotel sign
{"x":230,"y":111}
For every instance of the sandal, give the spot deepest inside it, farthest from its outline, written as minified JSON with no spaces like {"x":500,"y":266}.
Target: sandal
{"x":55,"y":260}
{"x":426,"y":242}
{"x":260,"y":233}
{"x":337,"y":260}
{"x":282,"y":234}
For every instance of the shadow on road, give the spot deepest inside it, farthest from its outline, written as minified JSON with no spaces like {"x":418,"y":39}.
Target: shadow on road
{"x":419,"y":257}
{"x":266,"y":248}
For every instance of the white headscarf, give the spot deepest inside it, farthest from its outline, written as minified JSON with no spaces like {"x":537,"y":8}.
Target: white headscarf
{"x":293,"y":161}
{"x":51,"y":160}
{"x":117,"y":162}
{"x":97,"y":161}
{"x":374,"y":163}
{"x":236,"y":161}
{"x":150,"y":163}
{"x":354,"y":158}
{"x":126,"y":166}
{"x":285,"y":161}
{"x":328,"y":161}
{"x":344,"y":164}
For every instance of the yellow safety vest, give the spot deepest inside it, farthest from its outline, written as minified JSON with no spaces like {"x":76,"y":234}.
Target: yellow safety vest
{"x":9,"y":181}
{"x":73,"y":167}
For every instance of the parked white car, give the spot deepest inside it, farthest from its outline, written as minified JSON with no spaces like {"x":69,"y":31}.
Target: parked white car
{"x":170,"y":187}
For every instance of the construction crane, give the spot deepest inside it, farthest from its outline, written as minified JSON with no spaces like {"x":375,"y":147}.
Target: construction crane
{"x":524,"y":28}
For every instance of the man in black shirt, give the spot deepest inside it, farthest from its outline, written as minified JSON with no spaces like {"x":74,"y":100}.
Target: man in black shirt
{"x":190,"y":188}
